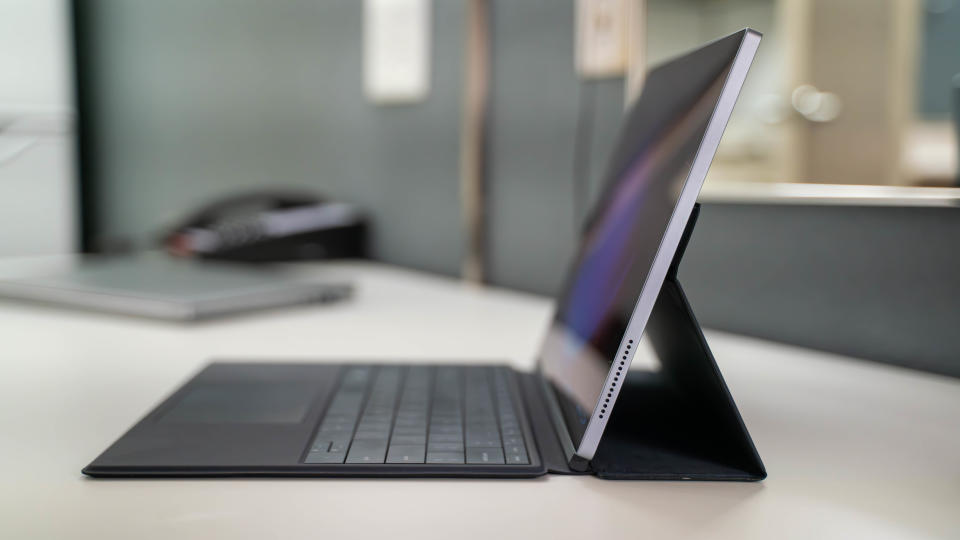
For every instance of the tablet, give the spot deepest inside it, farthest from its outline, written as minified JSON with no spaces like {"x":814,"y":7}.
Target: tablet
{"x":663,"y":153}
{"x":157,"y":286}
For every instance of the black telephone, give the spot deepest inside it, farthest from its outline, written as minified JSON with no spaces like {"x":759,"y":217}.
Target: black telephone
{"x":270,"y":226}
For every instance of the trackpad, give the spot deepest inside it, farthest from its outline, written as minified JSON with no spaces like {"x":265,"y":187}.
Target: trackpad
{"x":276,"y":402}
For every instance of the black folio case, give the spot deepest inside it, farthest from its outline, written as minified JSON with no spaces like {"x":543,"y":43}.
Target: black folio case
{"x":678,"y":423}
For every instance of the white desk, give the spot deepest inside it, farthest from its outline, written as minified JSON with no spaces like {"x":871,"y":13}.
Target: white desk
{"x":853,"y":449}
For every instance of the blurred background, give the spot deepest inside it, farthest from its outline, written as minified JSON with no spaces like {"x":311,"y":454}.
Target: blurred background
{"x":473,"y":135}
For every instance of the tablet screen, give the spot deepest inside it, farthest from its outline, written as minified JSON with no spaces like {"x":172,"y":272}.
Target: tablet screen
{"x":647,"y":172}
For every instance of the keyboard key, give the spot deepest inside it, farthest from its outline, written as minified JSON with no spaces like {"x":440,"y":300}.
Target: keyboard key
{"x":410,"y":426}
{"x":517,"y":458}
{"x":440,"y":437}
{"x":445,"y":457}
{"x":406,"y":453}
{"x":421,"y":433}
{"x":446,"y":447}
{"x":408,"y":439}
{"x":485,"y":455}
{"x":369,"y":423}
{"x":483,"y":443}
{"x":325,"y":457}
{"x":329,"y":445}
{"x":375,"y":435}
{"x":367,"y":451}
{"x":327,"y":452}
{"x":515,"y":448}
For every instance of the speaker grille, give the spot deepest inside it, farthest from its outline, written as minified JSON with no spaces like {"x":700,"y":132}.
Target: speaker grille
{"x":616,"y":379}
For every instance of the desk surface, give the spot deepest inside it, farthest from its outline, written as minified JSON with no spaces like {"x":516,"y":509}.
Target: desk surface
{"x":853,"y":449}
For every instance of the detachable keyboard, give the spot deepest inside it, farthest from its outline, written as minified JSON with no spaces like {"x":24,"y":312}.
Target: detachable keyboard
{"x":420,"y":414}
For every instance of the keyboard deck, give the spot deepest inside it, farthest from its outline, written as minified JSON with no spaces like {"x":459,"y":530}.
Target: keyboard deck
{"x":420,"y":414}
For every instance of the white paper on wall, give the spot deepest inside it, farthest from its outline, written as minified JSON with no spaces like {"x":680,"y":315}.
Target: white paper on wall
{"x":396,"y":50}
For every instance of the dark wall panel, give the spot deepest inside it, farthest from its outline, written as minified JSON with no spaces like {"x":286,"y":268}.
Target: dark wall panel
{"x":875,"y":282}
